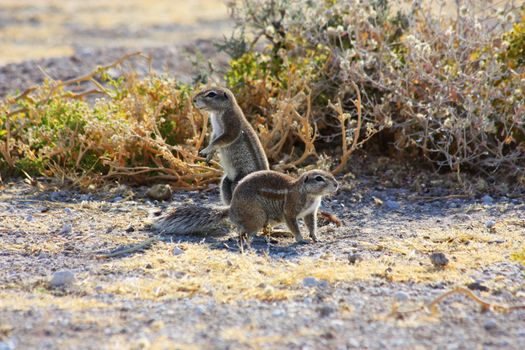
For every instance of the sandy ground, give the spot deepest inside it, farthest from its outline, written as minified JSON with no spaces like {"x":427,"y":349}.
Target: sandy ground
{"x":54,"y":28}
{"x":200,"y":292}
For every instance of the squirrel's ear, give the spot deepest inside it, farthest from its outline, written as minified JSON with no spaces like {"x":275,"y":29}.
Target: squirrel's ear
{"x":225,"y":95}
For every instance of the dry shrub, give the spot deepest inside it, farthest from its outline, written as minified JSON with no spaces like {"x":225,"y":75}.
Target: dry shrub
{"x":317,"y":79}
{"x":429,"y":82}
{"x":142,"y":129}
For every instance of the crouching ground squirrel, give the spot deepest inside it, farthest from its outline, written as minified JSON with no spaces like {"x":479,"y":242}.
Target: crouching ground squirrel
{"x":239,"y":148}
{"x":261,"y":198}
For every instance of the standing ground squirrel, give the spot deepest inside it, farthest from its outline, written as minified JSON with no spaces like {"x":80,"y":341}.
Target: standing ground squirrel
{"x":261,"y":198}
{"x":240,"y":150}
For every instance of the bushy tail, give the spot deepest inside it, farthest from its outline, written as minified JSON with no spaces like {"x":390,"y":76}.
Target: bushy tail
{"x":191,"y":219}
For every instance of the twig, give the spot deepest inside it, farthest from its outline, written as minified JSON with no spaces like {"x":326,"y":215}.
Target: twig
{"x":437,"y":198}
{"x":129,"y":249}
{"x":432,"y":306}
{"x":355,"y":142}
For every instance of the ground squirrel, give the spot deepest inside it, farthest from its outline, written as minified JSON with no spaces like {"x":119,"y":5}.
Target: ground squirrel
{"x":261,"y":198}
{"x":240,"y":150}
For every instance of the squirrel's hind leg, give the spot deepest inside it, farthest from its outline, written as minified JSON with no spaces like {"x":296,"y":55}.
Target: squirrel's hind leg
{"x":226,"y":190}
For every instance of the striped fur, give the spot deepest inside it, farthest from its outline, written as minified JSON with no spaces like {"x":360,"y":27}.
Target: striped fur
{"x":191,"y":219}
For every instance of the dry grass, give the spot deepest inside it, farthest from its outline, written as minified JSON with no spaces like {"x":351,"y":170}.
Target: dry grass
{"x":228,"y":276}
{"x":22,"y":301}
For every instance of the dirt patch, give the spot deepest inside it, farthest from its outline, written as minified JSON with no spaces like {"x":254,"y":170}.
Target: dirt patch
{"x":199,"y":291}
{"x":54,"y":28}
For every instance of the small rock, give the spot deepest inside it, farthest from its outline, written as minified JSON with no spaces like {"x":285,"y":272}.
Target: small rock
{"x":439,"y":260}
{"x":7,"y":345}
{"x":354,"y":343}
{"x":160,"y":192}
{"x":354,"y":258}
{"x":477,"y":286}
{"x":55,"y":196}
{"x":29,"y":218}
{"x":117,"y":199}
{"x":200,"y":310}
{"x":392,"y":205}
{"x":325,"y":310}
{"x":490,"y":224}
{"x":278,"y":313}
{"x":68,"y":211}
{"x":62,"y":279}
{"x":490,"y":324}
{"x":130,"y":228}
{"x":377,"y":201}
{"x":177,"y":251}
{"x":401,"y":296}
{"x":486,"y":199}
{"x":310,"y":282}
{"x":66,"y":229}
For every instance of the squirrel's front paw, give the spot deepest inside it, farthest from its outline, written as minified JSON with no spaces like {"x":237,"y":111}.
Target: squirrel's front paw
{"x":208,"y":153}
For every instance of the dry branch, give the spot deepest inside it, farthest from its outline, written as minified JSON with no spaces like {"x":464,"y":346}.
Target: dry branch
{"x":432,"y":306}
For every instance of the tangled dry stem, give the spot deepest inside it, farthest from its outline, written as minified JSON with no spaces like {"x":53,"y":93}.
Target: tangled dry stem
{"x":432,"y":306}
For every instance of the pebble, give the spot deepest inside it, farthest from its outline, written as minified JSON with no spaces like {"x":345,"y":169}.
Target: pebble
{"x":200,"y":310}
{"x":490,"y":224}
{"x":68,"y":211}
{"x":177,"y":251}
{"x":486,"y":199}
{"x":62,"y":278}
{"x":401,"y":296}
{"x":438,"y":259}
{"x":490,"y":324}
{"x":325,"y":310}
{"x":7,"y":345}
{"x":29,"y":218}
{"x":354,"y":343}
{"x":66,"y":229}
{"x":392,"y":205}
{"x":477,"y":286}
{"x":55,"y":196}
{"x":117,"y":199}
{"x":353,"y":258}
{"x":310,"y":282}
{"x":278,"y":313}
{"x":130,"y":228}
{"x":160,"y":192}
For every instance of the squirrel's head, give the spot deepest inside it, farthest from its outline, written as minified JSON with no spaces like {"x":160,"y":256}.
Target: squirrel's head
{"x":214,"y":99}
{"x":318,"y":182}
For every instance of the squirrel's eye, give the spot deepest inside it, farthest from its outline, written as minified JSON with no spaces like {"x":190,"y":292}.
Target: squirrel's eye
{"x":319,"y":179}
{"x":211,"y":94}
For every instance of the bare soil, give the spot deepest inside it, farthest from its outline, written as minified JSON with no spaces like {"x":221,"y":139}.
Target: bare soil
{"x":200,"y":292}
